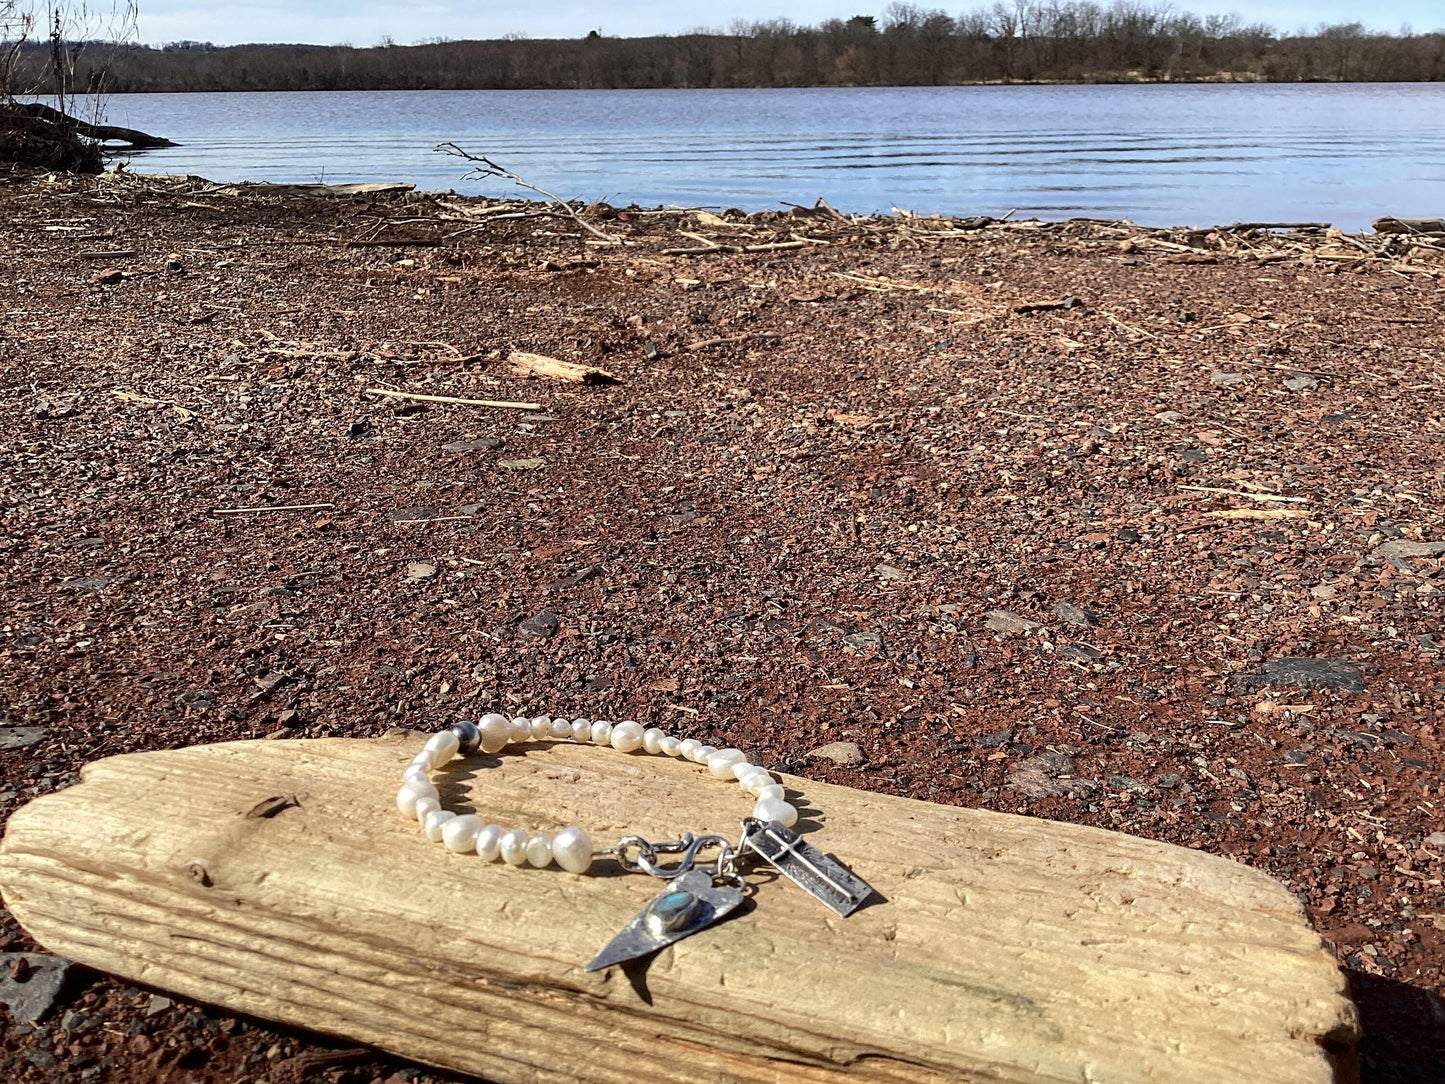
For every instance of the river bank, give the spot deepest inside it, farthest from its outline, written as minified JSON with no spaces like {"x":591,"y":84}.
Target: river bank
{"x":1132,"y":528}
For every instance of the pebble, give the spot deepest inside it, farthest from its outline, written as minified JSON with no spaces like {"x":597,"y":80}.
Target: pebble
{"x":19,"y":737}
{"x":417,"y":571}
{"x":846,"y":753}
{"x":1339,"y":675}
{"x":544,"y":626}
{"x":34,"y":992}
{"x":1076,"y":615}
{"x":1006,"y":621}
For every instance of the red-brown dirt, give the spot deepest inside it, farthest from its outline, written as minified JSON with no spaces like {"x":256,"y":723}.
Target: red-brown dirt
{"x":898,"y":504}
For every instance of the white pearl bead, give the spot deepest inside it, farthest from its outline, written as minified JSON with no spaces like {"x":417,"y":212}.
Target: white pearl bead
{"x":406,"y":798}
{"x":775,"y":809}
{"x":489,"y":842}
{"x":416,"y":773}
{"x":539,"y":851}
{"x":572,"y":850}
{"x":688,"y":747}
{"x":560,"y":728}
{"x":432,"y":825}
{"x":496,"y":730}
{"x":720,"y":764}
{"x":652,"y":740}
{"x":701,"y":753}
{"x":755,"y":783}
{"x":541,"y":727}
{"x":671,"y":746}
{"x":772,"y":790}
{"x":513,"y":846}
{"x":581,"y":729}
{"x":443,"y":745}
{"x":521,"y":730}
{"x":627,"y":737}
{"x":460,"y":833}
{"x":742,"y":769}
{"x":601,"y":732}
{"x":426,"y":758}
{"x":425,"y":806}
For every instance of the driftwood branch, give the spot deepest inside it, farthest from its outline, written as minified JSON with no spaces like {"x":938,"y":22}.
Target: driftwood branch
{"x":1038,"y":951}
{"x":539,"y":365}
{"x":104,"y":133}
{"x":485,"y":167}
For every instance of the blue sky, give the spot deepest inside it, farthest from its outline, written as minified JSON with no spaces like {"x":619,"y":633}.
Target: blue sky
{"x":364,"y":22}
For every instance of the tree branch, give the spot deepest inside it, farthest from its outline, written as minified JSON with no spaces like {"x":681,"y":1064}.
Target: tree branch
{"x":485,"y":167}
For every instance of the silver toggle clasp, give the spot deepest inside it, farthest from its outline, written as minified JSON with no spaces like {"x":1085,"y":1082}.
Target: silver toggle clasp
{"x":646,"y":860}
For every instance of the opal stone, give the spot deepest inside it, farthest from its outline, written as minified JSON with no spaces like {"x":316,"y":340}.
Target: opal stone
{"x":672,"y":910}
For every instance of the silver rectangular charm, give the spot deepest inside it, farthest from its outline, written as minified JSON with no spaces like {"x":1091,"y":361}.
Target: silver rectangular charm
{"x":810,"y":869}
{"x":689,"y":903}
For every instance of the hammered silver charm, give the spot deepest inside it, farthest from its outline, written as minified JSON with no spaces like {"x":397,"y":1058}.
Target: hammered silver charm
{"x":690,"y":902}
{"x":823,"y":878}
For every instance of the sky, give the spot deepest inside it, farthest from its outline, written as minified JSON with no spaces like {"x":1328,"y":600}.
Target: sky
{"x":365,"y":22}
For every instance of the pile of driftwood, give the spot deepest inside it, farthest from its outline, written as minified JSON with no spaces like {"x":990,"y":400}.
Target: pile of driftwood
{"x":397,"y":216}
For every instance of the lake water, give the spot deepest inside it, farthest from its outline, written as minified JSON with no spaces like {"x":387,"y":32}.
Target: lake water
{"x":1161,"y":155}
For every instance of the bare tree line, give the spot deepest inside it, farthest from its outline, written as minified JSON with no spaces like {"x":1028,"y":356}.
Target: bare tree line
{"x":1019,"y":41}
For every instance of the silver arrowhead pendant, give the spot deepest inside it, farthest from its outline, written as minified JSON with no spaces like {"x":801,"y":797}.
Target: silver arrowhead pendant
{"x":823,"y":878}
{"x":689,"y":903}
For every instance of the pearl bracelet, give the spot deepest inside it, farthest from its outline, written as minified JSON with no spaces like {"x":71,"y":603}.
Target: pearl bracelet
{"x":570,"y":848}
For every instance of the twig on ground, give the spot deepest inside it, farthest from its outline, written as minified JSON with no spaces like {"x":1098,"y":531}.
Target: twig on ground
{"x":1242,"y":493}
{"x":484,"y":167}
{"x":271,"y":508}
{"x":500,"y":403}
{"x":704,"y":344}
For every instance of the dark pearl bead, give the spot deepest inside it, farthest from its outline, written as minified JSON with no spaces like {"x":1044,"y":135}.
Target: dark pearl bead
{"x":469,"y":738}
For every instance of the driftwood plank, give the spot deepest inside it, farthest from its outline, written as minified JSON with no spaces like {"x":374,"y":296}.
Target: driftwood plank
{"x":276,"y":878}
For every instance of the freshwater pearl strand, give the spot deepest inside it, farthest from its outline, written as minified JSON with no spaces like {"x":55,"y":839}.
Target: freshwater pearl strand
{"x":570,"y":848}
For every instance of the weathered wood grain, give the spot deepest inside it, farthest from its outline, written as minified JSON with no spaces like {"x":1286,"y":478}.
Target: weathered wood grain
{"x":1009,"y":949}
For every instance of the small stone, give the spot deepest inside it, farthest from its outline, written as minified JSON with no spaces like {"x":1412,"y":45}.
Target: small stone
{"x":19,"y":737}
{"x":418,"y":571}
{"x":862,"y":641}
{"x":520,"y":464}
{"x":359,"y":428}
{"x":1301,"y":382}
{"x":1339,"y":675}
{"x":1169,"y":417}
{"x":1368,"y":872}
{"x":481,"y":444}
{"x":34,"y":992}
{"x":1076,"y":615}
{"x":1079,"y":651}
{"x":846,"y":753}
{"x":544,"y":626}
{"x":1006,"y":621}
{"x":1226,"y":380}
{"x":888,"y":572}
{"x":1435,"y":839}
{"x":1400,"y":547}
{"x":158,"y":1004}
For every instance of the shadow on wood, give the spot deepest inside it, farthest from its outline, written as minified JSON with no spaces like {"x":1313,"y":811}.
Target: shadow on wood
{"x":1010,"y":949}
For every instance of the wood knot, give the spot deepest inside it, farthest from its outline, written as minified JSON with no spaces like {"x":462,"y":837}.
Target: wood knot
{"x":196,"y":870}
